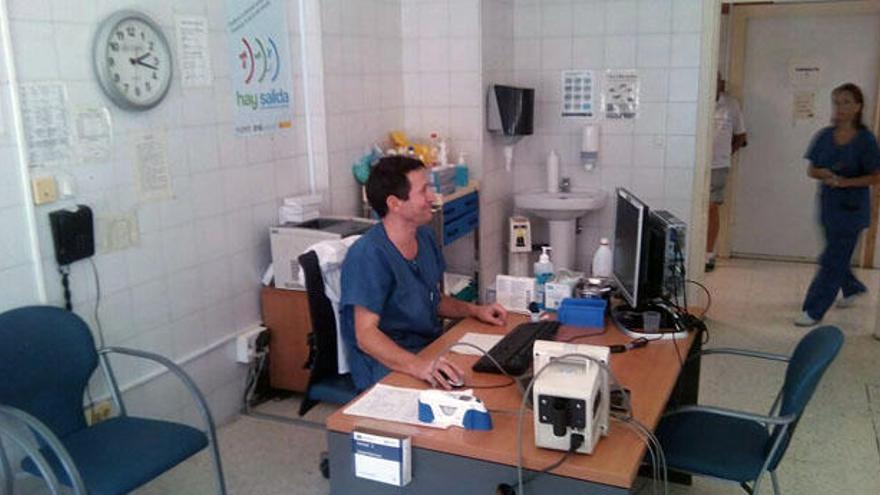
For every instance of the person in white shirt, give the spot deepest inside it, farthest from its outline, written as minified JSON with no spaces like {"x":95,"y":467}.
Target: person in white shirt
{"x":730,"y":136}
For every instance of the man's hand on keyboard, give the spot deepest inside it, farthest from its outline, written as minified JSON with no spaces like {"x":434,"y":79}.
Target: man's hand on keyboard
{"x":494,"y":314}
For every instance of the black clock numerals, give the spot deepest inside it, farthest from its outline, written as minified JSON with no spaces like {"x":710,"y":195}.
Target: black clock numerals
{"x":114,"y":46}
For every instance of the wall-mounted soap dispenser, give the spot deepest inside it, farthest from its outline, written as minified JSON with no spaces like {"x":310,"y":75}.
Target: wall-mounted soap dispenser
{"x":511,"y":115}
{"x":590,"y":146}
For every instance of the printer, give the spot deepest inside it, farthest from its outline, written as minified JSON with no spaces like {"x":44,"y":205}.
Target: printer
{"x":290,"y":240}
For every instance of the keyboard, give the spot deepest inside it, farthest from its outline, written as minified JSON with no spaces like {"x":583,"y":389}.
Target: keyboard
{"x":514,"y":351}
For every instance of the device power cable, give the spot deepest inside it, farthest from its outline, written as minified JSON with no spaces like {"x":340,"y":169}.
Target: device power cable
{"x":519,"y":440}
{"x":662,"y":457}
{"x":650,"y":448}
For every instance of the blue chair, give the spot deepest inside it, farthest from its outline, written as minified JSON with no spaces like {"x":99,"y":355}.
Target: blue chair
{"x":47,"y":356}
{"x":741,"y":446}
{"x":325,"y":382}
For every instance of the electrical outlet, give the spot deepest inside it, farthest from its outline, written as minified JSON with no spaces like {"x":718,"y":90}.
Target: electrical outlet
{"x":246,"y":344}
{"x":99,"y":412}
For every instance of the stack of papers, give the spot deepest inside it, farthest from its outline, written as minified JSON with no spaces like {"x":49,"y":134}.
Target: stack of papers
{"x":389,"y":403}
{"x":298,"y":209}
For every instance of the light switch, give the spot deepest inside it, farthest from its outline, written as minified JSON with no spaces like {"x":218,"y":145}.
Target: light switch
{"x":45,"y":189}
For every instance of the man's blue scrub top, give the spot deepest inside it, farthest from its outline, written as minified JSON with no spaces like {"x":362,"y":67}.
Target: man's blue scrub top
{"x":404,"y":293}
{"x":845,"y":210}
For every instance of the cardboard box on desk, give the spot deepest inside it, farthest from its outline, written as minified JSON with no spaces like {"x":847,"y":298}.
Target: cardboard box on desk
{"x":382,"y":457}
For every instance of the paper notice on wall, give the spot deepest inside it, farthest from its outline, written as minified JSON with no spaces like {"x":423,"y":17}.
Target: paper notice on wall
{"x":577,"y":93}
{"x":94,"y":134}
{"x":621,"y":94}
{"x":153,"y":176}
{"x":806,"y":73}
{"x":193,"y":51}
{"x":46,"y":123}
{"x":804,"y":105}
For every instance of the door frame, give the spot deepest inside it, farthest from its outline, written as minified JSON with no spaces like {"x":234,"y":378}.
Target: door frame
{"x":740,"y":16}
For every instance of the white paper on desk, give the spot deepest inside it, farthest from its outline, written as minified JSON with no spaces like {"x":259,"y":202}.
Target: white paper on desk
{"x":389,"y":403}
{"x":484,"y":341}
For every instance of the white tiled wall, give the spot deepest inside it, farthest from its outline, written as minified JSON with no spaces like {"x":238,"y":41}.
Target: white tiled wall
{"x":363,"y":87}
{"x":652,"y":156}
{"x":193,"y":278}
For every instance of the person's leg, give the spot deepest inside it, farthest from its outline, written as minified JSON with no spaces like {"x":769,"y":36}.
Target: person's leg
{"x":712,"y":234}
{"x":833,"y":265}
{"x":716,"y":198}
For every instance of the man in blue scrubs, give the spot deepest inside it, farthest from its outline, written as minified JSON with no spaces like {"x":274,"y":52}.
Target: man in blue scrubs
{"x":391,"y":278}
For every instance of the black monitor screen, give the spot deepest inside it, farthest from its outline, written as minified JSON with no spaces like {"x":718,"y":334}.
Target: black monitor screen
{"x":628,"y":241}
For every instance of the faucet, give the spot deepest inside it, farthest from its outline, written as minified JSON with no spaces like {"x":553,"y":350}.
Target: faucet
{"x":565,"y":185}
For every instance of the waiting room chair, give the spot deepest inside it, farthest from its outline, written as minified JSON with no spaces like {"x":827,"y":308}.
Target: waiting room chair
{"x":47,"y":356}
{"x":325,"y":382}
{"x":741,"y":446}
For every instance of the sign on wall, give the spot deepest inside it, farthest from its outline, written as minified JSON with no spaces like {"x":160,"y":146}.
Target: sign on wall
{"x":260,"y":56}
{"x":620,"y":94}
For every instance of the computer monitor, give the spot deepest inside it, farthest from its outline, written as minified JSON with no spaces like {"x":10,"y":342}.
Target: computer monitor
{"x":630,"y":254}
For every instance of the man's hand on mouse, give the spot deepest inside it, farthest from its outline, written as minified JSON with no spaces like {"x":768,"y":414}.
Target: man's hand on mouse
{"x":426,"y":369}
{"x":494,"y":314}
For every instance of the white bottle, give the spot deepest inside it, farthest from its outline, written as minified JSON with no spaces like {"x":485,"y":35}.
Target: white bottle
{"x":543,"y":274}
{"x":553,"y":172}
{"x":602,"y":263}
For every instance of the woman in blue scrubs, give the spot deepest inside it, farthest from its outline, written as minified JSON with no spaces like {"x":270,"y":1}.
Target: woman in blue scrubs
{"x":845,"y":159}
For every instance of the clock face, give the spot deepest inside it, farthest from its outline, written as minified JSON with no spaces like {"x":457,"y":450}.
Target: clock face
{"x":132,"y":61}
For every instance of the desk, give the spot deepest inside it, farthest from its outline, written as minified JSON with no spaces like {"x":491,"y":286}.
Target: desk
{"x":463,"y":462}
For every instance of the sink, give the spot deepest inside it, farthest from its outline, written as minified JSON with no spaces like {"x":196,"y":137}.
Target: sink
{"x":561,"y":210}
{"x":559,"y":205}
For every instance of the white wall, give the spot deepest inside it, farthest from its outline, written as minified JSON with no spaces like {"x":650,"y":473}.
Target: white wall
{"x":361,"y":43}
{"x":192,"y":281}
{"x":653,"y":156}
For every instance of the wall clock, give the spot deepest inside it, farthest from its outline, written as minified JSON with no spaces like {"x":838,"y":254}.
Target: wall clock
{"x":132,"y":60}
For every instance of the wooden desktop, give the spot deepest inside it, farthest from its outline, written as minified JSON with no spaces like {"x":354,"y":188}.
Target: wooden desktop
{"x":476,"y":461}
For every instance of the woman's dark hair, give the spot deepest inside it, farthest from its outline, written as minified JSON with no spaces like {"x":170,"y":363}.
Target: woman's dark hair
{"x":857,"y":95}
{"x":388,"y":178}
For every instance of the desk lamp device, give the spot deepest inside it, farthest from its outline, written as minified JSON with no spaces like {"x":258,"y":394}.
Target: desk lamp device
{"x":571,"y":396}
{"x":458,"y":408}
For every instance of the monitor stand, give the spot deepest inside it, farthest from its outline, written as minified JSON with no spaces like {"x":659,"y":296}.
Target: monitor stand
{"x":629,"y":321}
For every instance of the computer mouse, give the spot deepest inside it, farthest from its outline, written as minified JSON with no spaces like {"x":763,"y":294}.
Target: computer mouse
{"x":449,"y":381}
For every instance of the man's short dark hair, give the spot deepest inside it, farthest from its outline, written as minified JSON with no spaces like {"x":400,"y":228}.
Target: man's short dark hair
{"x":388,"y":178}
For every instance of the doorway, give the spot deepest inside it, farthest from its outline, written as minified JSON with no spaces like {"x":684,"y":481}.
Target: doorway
{"x":770,"y":202}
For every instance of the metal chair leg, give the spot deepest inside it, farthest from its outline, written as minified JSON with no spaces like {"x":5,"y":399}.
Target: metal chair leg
{"x":775,"y":483}
{"x":6,"y":471}
{"x":218,"y":467}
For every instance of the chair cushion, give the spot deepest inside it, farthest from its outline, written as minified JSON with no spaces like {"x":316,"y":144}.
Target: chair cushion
{"x":120,"y":454}
{"x":336,"y":389}
{"x":713,"y":445}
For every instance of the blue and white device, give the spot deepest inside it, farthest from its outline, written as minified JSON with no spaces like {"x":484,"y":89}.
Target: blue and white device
{"x":445,"y":409}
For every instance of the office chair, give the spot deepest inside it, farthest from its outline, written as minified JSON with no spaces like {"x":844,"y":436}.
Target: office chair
{"x":325,"y":382}
{"x":47,"y":356}
{"x":741,"y":446}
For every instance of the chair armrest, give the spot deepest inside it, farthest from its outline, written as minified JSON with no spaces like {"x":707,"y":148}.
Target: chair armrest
{"x":745,"y":353}
{"x":51,"y":440}
{"x":732,"y":413}
{"x":177,"y":371}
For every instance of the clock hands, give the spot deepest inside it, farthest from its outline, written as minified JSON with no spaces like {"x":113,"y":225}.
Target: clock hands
{"x":140,"y":61}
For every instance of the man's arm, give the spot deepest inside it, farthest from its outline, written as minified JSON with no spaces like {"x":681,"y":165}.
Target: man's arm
{"x":378,"y":345}
{"x":451,"y":307}
{"x":820,"y":173}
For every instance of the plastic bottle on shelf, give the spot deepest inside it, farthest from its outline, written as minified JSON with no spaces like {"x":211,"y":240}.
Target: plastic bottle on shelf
{"x":602,"y":263}
{"x":543,"y":274}
{"x":461,"y":171}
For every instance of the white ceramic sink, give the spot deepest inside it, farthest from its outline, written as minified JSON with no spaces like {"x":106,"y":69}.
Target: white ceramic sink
{"x":561,"y":206}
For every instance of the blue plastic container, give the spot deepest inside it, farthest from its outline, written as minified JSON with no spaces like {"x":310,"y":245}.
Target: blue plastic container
{"x":582,"y":312}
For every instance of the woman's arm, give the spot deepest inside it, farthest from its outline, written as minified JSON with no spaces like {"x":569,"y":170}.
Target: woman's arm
{"x":819,"y":173}
{"x":861,"y":181}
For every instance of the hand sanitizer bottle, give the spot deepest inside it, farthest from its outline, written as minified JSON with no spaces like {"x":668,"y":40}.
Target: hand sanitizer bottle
{"x":602,"y":260}
{"x":543,"y":274}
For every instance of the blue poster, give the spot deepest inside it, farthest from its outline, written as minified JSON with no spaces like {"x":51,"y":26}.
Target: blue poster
{"x":262,"y":90}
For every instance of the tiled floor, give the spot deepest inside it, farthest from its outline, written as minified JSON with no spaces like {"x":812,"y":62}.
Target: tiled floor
{"x":835,"y":448}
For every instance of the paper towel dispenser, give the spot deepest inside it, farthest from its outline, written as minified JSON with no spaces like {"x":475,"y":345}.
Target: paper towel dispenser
{"x":511,"y":110}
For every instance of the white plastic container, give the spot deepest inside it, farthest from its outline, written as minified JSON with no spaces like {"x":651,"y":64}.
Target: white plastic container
{"x":602,"y":262}
{"x":543,"y":274}
{"x":553,"y":172}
